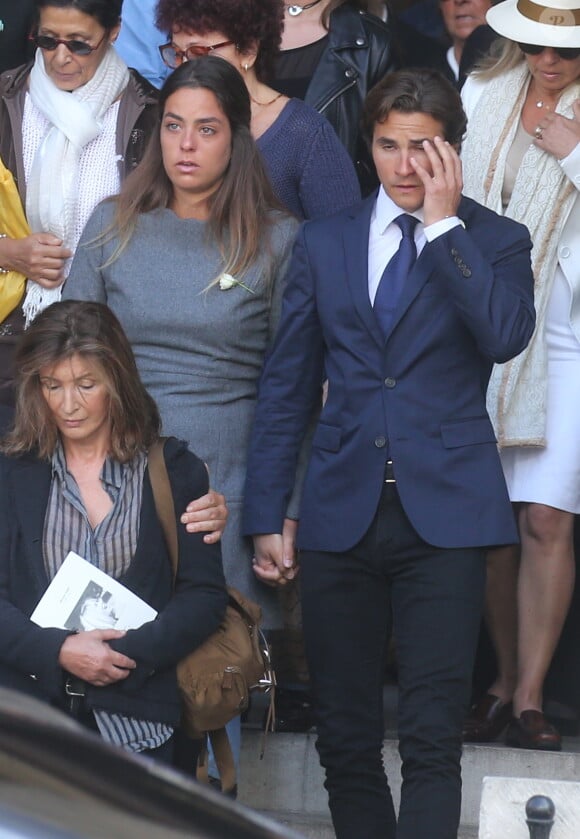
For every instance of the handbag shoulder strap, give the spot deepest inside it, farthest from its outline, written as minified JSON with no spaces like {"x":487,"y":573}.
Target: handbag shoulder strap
{"x":163,"y":498}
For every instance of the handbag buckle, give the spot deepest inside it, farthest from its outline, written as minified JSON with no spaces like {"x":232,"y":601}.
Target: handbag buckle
{"x":74,"y":687}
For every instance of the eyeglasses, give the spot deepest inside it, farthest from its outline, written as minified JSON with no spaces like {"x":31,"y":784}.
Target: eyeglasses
{"x":567,"y":53}
{"x":174,"y":57}
{"x":46,"y":42}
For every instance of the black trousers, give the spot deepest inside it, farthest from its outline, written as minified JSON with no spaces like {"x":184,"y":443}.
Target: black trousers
{"x":434,"y":598}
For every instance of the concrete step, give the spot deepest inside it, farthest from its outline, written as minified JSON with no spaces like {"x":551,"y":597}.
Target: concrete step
{"x":312,"y":828}
{"x":287,"y":782}
{"x":322,"y":829}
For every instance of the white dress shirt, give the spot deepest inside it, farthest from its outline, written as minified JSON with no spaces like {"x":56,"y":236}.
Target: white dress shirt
{"x":453,"y":63}
{"x":385,"y":236}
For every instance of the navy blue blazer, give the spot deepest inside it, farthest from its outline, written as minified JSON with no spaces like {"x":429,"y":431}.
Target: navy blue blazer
{"x":467,"y":303}
{"x":186,"y":617}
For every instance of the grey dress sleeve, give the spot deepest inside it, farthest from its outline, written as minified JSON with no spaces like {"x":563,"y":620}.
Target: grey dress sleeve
{"x":86,"y":279}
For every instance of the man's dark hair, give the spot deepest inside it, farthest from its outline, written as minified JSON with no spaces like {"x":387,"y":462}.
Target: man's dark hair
{"x":416,"y":91}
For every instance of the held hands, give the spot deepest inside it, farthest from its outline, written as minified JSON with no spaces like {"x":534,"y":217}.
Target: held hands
{"x":88,"y":656}
{"x":557,"y":134}
{"x":207,"y":513}
{"x":275,"y":562}
{"x":443,"y":184}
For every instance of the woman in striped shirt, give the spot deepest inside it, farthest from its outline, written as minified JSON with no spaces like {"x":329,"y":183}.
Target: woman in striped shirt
{"x":74,"y":477}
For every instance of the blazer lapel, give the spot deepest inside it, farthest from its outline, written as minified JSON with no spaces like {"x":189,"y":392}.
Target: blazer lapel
{"x":356,"y":250}
{"x":31,"y":483}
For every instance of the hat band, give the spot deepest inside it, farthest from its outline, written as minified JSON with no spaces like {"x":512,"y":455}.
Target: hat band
{"x":549,"y":15}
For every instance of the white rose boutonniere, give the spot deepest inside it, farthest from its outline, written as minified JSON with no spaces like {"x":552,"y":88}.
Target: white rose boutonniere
{"x":226,"y":281}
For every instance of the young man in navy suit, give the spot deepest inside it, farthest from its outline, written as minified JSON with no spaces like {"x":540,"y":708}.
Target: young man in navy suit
{"x":403,"y":304}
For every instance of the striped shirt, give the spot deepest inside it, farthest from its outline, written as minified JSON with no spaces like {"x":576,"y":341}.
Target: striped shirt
{"x":110,"y":547}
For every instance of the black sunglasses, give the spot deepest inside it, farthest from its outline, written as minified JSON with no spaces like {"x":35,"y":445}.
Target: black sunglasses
{"x":567,"y":53}
{"x":174,"y":57}
{"x":48,"y":43}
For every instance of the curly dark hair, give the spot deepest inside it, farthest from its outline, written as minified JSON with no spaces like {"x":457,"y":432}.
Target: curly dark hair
{"x":245,"y":22}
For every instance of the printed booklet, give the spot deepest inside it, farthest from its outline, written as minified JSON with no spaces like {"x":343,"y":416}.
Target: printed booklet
{"x":81,"y":597}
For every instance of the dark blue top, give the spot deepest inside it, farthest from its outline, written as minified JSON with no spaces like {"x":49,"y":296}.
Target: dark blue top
{"x":311,"y":171}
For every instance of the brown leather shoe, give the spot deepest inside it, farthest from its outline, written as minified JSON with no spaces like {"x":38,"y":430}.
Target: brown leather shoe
{"x":531,"y":730}
{"x":486,"y":719}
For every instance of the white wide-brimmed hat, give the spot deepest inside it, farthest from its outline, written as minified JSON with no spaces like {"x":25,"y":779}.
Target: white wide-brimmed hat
{"x":550,"y":23}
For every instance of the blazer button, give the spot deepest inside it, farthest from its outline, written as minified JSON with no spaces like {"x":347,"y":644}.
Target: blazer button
{"x":390,"y":383}
{"x":350,"y":73}
{"x":380,"y":442}
{"x":466,"y":272}
{"x":360,"y":42}
{"x":454,"y":252}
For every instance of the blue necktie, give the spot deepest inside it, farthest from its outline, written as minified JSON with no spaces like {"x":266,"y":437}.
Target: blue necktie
{"x":396,"y":272}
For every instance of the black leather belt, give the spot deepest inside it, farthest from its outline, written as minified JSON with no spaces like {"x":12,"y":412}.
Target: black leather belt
{"x":389,"y":473}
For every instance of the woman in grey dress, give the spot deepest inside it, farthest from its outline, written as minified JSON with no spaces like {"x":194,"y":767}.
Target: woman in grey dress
{"x":191,"y":257}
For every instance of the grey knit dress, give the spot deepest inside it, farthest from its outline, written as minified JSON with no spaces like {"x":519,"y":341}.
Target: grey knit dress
{"x":199,"y":350}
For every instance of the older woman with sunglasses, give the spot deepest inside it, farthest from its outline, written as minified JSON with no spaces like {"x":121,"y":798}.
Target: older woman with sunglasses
{"x":522,"y":158}
{"x":73,"y":123}
{"x":309,"y":168}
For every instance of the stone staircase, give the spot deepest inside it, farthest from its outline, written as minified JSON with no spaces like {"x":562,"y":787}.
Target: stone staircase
{"x":287,"y":782}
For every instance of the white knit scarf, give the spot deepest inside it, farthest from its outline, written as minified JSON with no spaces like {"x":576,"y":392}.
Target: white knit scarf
{"x":541,"y":199}
{"x":52,"y":188}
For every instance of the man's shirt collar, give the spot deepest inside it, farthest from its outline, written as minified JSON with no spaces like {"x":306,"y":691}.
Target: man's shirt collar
{"x":386,"y":211}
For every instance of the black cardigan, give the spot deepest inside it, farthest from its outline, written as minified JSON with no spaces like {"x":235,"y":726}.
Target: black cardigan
{"x":186,"y":617}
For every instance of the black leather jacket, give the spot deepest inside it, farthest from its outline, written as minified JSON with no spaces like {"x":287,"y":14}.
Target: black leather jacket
{"x":357,"y":56}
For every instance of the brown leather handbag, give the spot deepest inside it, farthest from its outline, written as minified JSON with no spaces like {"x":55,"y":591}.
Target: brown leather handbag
{"x":215,"y":679}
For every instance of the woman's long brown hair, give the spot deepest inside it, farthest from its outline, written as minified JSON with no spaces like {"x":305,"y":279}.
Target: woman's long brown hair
{"x":92,"y":331}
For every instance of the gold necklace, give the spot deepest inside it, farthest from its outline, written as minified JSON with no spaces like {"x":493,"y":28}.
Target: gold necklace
{"x":265,"y":104}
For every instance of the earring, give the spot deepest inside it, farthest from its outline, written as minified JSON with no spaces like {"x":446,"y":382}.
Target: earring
{"x":246,"y":66}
